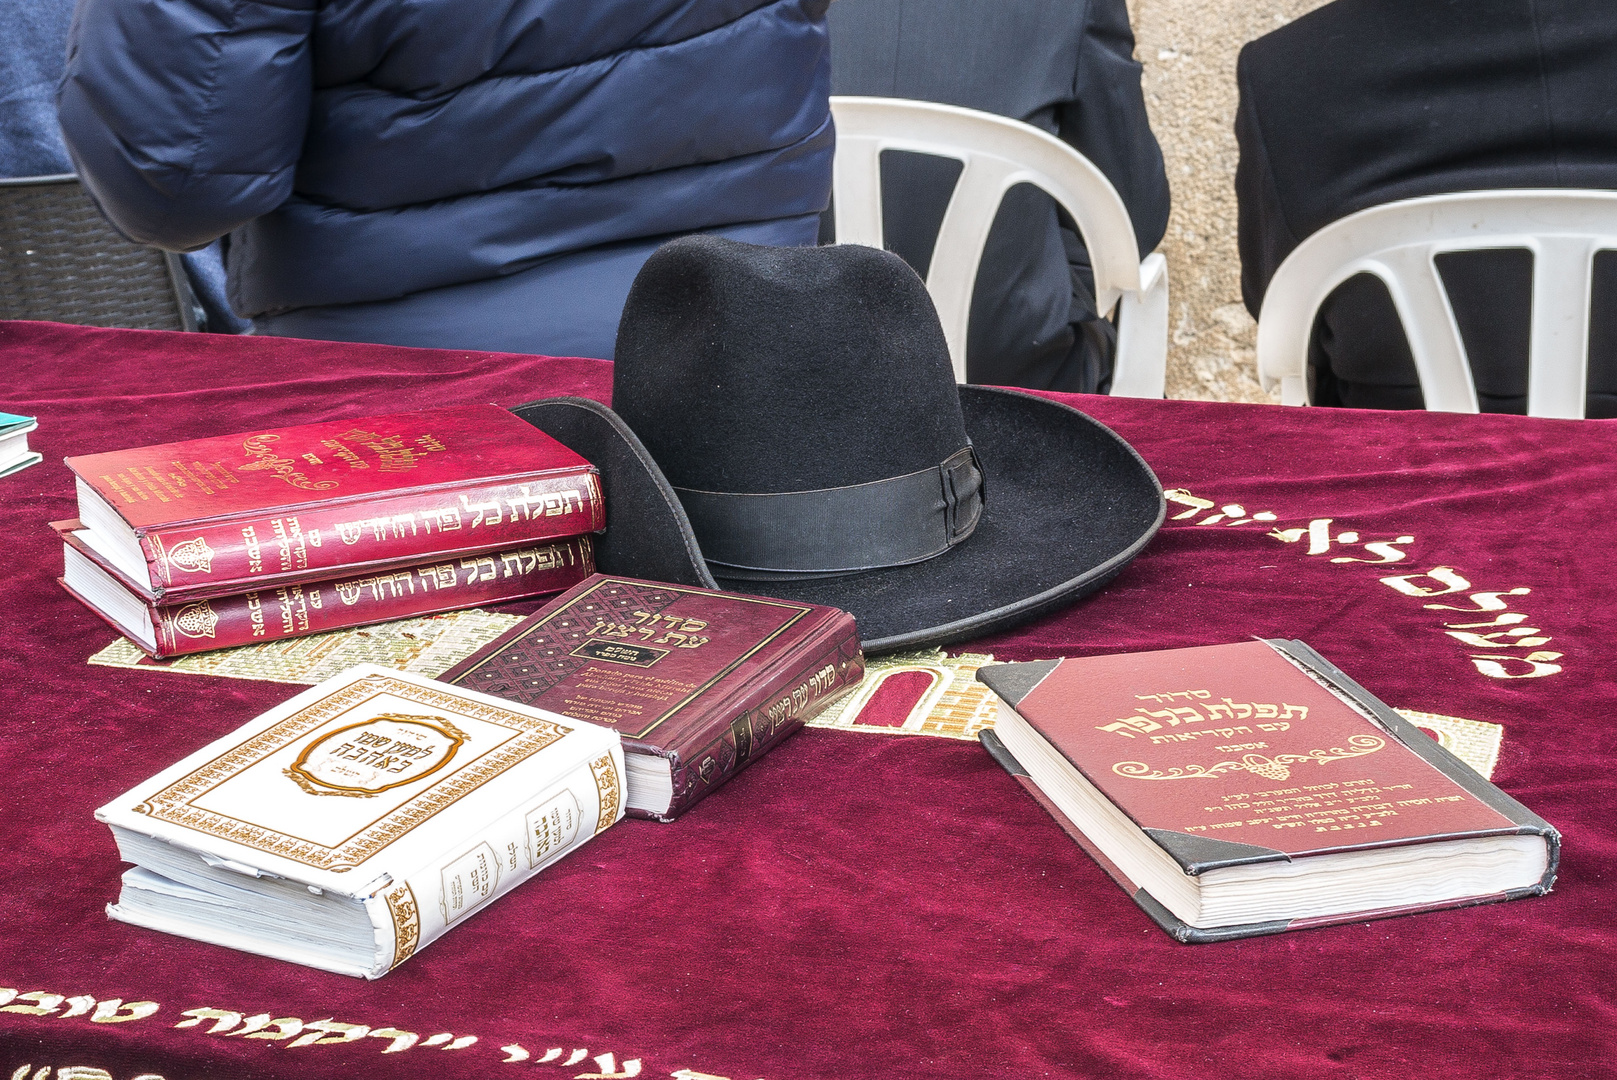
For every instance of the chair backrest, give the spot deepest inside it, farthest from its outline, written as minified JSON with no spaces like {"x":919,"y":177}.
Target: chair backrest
{"x":1398,"y":243}
{"x":61,"y":261}
{"x":996,"y":154}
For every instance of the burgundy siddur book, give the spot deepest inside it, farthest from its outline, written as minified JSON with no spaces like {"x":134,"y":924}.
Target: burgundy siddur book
{"x":220,"y":516}
{"x":340,"y":600}
{"x":1247,"y":789}
{"x":699,"y":683}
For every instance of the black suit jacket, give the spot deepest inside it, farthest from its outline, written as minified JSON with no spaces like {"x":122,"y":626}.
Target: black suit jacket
{"x":1363,"y":102}
{"x":1065,"y":66}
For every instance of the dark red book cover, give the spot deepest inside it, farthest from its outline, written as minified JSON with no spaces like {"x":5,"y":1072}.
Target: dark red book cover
{"x":708,"y":680}
{"x":1234,"y":743}
{"x":343,"y":601}
{"x":272,"y":506}
{"x":1234,"y":754}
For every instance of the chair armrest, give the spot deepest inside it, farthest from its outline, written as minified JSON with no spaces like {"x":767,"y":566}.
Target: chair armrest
{"x":1141,"y":366}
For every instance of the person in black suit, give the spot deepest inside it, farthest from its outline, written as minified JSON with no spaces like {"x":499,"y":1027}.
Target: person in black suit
{"x":1363,"y":102}
{"x":1065,"y":66}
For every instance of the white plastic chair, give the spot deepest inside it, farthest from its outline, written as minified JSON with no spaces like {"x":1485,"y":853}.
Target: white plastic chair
{"x":1397,"y":242}
{"x":997,"y":154}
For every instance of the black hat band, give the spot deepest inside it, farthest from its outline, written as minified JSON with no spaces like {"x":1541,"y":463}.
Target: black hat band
{"x":841,"y":530}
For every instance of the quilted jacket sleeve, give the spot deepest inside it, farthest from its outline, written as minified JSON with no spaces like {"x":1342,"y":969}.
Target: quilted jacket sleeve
{"x":185,"y":118}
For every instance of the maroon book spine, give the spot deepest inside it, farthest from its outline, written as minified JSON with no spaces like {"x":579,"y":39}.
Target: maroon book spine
{"x":341,"y":603}
{"x":833,"y":664}
{"x":277,"y":548}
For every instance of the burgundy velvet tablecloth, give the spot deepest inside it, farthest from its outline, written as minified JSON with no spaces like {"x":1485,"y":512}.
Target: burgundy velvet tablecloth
{"x":864,"y":905}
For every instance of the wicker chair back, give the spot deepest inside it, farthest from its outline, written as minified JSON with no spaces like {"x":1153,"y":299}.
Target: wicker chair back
{"x":60,"y":261}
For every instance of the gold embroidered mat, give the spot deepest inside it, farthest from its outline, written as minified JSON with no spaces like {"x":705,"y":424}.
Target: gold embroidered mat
{"x":427,"y":646}
{"x":952,"y":704}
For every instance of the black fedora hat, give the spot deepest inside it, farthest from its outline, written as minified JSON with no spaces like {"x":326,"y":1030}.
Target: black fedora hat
{"x":801,"y":405}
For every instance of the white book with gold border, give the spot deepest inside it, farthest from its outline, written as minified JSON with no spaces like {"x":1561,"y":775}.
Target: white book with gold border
{"x":352,"y":825}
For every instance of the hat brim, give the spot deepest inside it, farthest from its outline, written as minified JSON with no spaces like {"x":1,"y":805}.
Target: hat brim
{"x":1069,"y":504}
{"x":647,"y":533}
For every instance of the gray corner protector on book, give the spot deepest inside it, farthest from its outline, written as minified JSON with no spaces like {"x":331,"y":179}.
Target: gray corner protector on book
{"x":1013,"y":682}
{"x":1423,"y":746}
{"x":1184,"y":933}
{"x":1543,"y":888}
{"x":997,"y":751}
{"x":1199,"y":854}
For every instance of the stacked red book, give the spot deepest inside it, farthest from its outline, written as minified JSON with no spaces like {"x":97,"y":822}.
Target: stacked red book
{"x":246,"y":538}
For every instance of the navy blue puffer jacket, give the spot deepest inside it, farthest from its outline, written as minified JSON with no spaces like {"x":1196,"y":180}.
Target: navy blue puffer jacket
{"x":448,"y":172}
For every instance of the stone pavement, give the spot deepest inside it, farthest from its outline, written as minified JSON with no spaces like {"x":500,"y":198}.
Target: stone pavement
{"x":1189,"y":48}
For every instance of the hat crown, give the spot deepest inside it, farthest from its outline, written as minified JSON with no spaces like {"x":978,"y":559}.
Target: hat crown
{"x":758,"y":369}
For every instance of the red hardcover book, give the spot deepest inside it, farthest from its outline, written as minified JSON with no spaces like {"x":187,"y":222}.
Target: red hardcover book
{"x":219,"y":516}
{"x":1248,"y":789}
{"x":699,"y":683}
{"x":312,"y":606}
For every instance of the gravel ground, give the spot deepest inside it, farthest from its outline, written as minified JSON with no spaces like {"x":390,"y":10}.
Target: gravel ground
{"x":1189,"y":48}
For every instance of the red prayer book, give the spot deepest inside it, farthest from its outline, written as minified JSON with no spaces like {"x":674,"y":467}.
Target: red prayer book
{"x":699,"y":683}
{"x":313,"y":605}
{"x":1245,"y":789}
{"x":220,"y":516}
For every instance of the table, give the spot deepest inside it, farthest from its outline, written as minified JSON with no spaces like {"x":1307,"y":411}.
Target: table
{"x":863,"y":904}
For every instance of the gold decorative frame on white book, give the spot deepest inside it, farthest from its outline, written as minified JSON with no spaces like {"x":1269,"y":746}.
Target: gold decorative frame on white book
{"x":174,"y":803}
